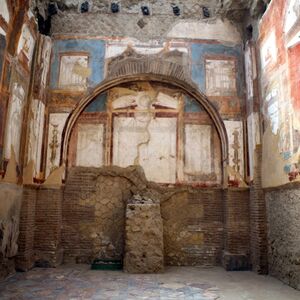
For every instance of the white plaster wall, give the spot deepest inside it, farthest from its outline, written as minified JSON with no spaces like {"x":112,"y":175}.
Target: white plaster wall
{"x":90,"y":145}
{"x":151,"y":144}
{"x":198,"y":152}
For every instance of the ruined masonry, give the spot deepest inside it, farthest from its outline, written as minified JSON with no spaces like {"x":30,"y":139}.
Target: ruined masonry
{"x":144,"y":250}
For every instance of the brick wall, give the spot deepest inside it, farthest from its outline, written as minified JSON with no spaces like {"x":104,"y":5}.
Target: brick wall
{"x":193,"y":227}
{"x":236,"y":254}
{"x":258,"y":220}
{"x":25,"y":258}
{"x":48,"y":222}
{"x":87,"y":219}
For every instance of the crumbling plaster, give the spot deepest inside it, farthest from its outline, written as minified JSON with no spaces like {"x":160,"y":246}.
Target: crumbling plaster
{"x":10,"y":205}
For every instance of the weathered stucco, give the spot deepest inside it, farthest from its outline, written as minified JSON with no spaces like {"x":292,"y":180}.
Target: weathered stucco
{"x":10,"y":205}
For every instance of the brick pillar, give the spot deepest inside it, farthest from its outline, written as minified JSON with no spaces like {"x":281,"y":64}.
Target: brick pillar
{"x":48,"y":223}
{"x":258,"y":219}
{"x":25,"y":257}
{"x":236,"y":254}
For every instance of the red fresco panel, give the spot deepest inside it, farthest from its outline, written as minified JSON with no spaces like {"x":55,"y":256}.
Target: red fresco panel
{"x":294,"y":66}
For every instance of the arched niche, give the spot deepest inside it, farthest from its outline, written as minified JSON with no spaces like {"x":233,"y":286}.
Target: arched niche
{"x":189,"y":89}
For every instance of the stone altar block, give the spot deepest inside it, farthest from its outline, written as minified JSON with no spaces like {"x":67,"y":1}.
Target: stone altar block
{"x":144,"y":250}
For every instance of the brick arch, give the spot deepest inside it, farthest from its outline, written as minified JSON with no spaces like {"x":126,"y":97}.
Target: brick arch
{"x":189,"y":89}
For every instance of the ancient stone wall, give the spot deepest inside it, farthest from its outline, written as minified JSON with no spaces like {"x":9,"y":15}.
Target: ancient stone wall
{"x":10,"y":204}
{"x":94,"y":216}
{"x":283,"y":209}
{"x":144,"y":247}
{"x":85,"y":220}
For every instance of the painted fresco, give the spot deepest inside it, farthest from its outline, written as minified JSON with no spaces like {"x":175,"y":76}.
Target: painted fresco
{"x":166,"y":132}
{"x":218,"y":72}
{"x":45,"y":60}
{"x":198,"y":161}
{"x":90,"y":138}
{"x":116,"y":48}
{"x":253,"y":139}
{"x":94,"y":48}
{"x":253,"y":120}
{"x":26,"y":46}
{"x":57,"y":122}
{"x":36,"y":131}
{"x":220,"y":77}
{"x":4,"y":13}
{"x":150,"y":143}
{"x":269,"y":51}
{"x":73,"y":72}
{"x":14,"y":120}
{"x":236,"y":146}
{"x":280,"y":89}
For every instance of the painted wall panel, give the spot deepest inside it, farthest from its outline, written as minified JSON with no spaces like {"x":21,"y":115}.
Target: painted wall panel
{"x":90,"y":145}
{"x":57,"y":122}
{"x":236,"y":145}
{"x":37,"y":117}
{"x":198,"y":152}
{"x":151,"y":144}
{"x":280,"y":90}
{"x":95,"y":49}
{"x":202,"y":51}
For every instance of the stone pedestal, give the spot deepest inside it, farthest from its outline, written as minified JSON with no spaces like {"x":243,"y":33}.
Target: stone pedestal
{"x":144,"y":251}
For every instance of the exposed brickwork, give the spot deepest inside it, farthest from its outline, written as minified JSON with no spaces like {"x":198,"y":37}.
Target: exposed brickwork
{"x":173,"y":64}
{"x":193,"y":227}
{"x":94,"y":215}
{"x":258,"y":220}
{"x":25,"y":258}
{"x":87,"y":219}
{"x":48,"y":222}
{"x":237,"y":241}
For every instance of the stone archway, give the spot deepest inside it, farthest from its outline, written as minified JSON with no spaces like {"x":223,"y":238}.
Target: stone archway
{"x":163,"y":68}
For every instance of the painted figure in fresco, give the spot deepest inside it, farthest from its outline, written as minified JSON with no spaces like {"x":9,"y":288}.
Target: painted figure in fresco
{"x":236,"y":146}
{"x":53,"y":146}
{"x":14,"y":120}
{"x":45,"y":65}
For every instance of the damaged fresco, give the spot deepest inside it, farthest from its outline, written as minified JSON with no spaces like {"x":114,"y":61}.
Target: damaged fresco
{"x":159,"y":126}
{"x":280,"y":91}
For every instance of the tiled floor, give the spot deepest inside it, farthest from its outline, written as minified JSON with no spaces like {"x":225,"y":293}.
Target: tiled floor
{"x":79,"y":282}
